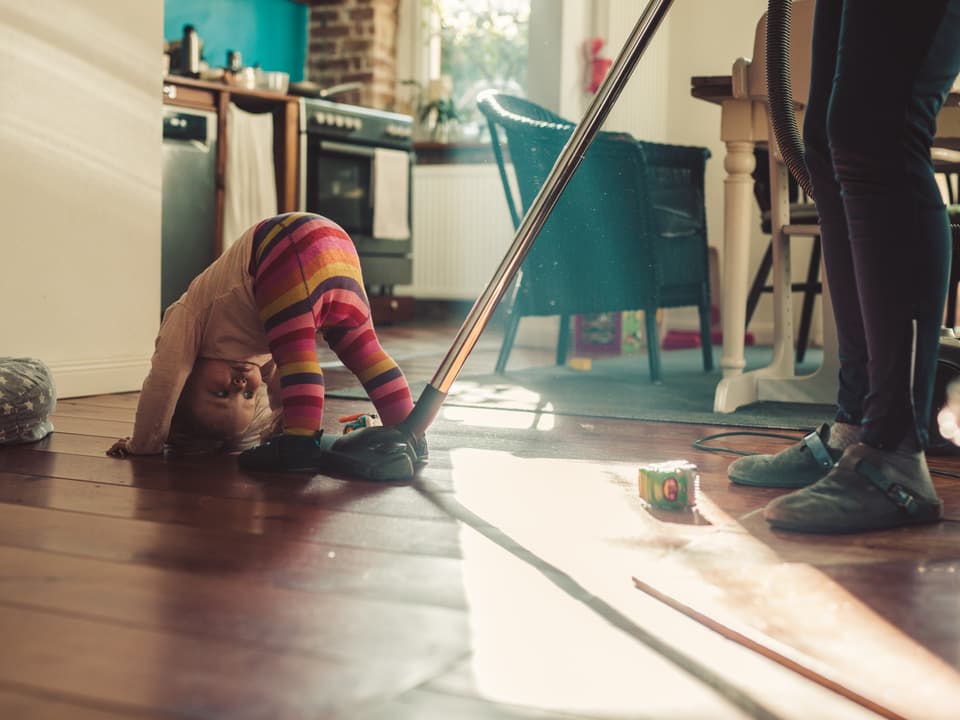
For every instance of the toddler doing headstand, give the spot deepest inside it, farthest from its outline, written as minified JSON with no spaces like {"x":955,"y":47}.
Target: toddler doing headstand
{"x":240,"y":346}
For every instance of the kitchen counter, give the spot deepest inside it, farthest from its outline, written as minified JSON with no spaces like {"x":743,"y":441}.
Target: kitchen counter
{"x":215,"y":97}
{"x":215,"y":86}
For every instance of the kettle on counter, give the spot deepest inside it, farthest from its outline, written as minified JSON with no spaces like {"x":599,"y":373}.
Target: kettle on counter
{"x":190,"y":52}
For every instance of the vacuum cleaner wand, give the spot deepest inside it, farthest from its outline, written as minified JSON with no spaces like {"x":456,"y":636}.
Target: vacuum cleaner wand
{"x":431,"y":399}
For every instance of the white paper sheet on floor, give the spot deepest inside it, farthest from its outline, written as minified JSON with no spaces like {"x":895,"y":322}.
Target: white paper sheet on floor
{"x":250,"y":190}
{"x":391,"y":187}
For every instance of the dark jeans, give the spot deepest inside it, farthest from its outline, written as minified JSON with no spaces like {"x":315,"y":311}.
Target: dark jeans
{"x":880,"y":73}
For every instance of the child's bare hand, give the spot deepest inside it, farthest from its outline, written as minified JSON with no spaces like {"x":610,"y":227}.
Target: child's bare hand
{"x":119,"y":448}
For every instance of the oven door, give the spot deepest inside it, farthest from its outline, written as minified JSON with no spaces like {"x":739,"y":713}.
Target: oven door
{"x":338,"y":184}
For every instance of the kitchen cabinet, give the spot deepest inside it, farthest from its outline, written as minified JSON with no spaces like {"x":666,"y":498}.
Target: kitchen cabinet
{"x":216,"y":97}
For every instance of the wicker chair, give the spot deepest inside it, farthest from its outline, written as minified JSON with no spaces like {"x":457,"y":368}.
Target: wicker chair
{"x":628,"y":233}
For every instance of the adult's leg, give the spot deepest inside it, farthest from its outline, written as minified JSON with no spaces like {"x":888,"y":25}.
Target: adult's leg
{"x":894,"y":68}
{"x":835,"y":239}
{"x":811,"y":459}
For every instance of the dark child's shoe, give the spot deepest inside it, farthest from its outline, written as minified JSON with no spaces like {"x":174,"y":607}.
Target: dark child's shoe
{"x":798,"y":466}
{"x":868,"y":489}
{"x":283,"y":452}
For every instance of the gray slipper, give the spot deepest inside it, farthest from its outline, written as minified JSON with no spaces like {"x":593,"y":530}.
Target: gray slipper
{"x":869,"y":489}
{"x":796,"y":467}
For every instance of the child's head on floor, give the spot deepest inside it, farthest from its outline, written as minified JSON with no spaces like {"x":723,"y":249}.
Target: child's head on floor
{"x":218,"y":401}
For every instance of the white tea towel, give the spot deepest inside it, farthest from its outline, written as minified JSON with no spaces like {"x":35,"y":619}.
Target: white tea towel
{"x":250,"y":186}
{"x":391,"y":190}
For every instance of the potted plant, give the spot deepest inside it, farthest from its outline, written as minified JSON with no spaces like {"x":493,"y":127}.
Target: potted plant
{"x":437,"y":112}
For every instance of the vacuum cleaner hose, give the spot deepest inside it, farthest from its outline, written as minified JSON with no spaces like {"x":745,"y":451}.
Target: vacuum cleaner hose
{"x":780,"y":93}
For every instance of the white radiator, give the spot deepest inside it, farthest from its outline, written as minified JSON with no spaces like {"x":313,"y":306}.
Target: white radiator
{"x":461,"y":230}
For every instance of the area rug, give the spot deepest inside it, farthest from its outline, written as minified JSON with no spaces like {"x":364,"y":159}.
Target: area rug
{"x":620,"y":387}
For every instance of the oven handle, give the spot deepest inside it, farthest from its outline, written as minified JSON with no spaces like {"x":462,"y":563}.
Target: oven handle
{"x":346,"y":148}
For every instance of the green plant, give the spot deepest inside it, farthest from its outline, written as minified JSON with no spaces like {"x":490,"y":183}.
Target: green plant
{"x":443,"y":111}
{"x":439,"y":115}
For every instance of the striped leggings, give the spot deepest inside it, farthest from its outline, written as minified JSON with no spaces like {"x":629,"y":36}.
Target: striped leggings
{"x":307,"y":279}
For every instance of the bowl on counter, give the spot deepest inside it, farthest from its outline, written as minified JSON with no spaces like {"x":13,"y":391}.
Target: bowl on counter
{"x":273,"y":81}
{"x":245,"y":78}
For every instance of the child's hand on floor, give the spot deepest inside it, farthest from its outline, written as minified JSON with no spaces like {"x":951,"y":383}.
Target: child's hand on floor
{"x":119,"y":448}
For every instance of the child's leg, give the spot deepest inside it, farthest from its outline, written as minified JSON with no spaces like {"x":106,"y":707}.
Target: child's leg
{"x":360,"y":351}
{"x":307,"y":278}
{"x":286,"y":293}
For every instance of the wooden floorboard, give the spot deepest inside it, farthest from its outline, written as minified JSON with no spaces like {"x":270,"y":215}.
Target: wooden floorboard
{"x":254,"y":515}
{"x":425,"y":579}
{"x":497,"y":585}
{"x":193,"y":676}
{"x":226,"y":607}
{"x":18,"y":703}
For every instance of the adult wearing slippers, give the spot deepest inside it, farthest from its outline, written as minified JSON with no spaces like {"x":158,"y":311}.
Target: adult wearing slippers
{"x":879,"y":77}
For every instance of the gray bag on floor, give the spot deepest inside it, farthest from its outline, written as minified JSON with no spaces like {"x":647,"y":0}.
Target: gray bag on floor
{"x":27,"y":398}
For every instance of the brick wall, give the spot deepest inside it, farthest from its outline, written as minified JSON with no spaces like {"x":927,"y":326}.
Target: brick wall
{"x":355,"y":41}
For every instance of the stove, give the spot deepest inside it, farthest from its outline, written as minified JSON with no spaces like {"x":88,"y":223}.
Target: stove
{"x":341,"y":148}
{"x":355,"y":124}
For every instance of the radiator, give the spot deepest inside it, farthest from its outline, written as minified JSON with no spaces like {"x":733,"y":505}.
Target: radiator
{"x":461,"y":230}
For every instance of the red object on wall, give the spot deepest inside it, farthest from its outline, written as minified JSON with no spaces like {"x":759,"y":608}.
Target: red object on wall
{"x":596,"y":66}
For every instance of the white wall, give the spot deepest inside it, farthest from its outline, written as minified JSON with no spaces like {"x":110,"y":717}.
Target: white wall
{"x":706,"y":37}
{"x":80,"y":138}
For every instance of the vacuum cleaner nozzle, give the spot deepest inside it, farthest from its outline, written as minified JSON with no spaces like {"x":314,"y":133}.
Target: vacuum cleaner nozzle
{"x":380,"y":454}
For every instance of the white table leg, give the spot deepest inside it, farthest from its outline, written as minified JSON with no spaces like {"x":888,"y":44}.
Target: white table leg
{"x":737,"y":218}
{"x":739,"y":163}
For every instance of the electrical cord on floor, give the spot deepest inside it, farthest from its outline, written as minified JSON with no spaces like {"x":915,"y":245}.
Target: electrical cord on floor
{"x":699,"y":445}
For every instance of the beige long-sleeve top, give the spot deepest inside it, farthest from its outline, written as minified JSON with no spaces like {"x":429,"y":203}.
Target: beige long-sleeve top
{"x":215,"y":318}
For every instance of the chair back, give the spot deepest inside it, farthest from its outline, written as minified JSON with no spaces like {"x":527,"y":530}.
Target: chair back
{"x":596,"y":253}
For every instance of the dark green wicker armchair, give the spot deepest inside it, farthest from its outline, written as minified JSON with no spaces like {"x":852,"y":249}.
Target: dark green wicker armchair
{"x":628,"y":233}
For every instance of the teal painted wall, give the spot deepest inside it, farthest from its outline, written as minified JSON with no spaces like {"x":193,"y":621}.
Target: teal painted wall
{"x":269,"y":33}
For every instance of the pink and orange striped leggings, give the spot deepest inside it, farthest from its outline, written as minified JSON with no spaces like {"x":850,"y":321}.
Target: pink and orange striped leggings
{"x":307,"y":280}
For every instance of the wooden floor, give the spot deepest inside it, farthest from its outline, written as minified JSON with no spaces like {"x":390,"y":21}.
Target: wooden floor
{"x":519,"y":576}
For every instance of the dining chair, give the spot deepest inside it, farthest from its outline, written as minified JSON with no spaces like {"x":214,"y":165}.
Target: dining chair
{"x":803,"y":213}
{"x":946,"y":163}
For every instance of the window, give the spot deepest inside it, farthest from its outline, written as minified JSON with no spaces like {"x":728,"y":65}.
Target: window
{"x":474,"y":45}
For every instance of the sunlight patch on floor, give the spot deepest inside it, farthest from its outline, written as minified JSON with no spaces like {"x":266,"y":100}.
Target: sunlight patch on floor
{"x":535,"y":646}
{"x":588,"y":520}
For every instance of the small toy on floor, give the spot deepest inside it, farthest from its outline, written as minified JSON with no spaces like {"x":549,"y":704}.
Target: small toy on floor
{"x":359,"y":421}
{"x":668,"y":485}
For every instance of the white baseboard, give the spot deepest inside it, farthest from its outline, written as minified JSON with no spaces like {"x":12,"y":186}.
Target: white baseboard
{"x":78,"y":378}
